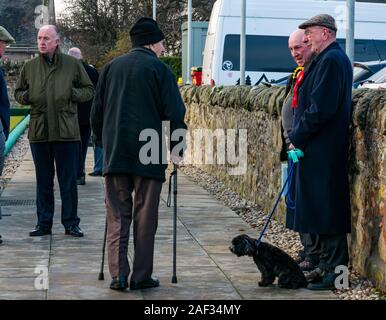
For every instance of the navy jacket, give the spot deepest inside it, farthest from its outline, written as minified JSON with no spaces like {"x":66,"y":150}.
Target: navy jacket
{"x":84,"y":108}
{"x":135,"y":92}
{"x":321,"y":130}
{"x":4,"y":106}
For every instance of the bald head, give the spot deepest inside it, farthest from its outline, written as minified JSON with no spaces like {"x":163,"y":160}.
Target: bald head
{"x":298,"y":45}
{"x":48,"y":40}
{"x":76,"y":53}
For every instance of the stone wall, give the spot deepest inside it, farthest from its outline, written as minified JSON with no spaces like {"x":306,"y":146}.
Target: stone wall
{"x":11,"y":85}
{"x":257,"y":109}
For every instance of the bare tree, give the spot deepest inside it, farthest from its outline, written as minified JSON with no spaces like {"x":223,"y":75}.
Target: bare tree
{"x":95,"y":24}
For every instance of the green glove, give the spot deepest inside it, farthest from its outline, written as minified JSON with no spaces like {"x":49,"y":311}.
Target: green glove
{"x":295,"y":155}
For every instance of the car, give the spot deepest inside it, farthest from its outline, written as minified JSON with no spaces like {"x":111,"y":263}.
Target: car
{"x":364,"y":70}
{"x":377,"y":80}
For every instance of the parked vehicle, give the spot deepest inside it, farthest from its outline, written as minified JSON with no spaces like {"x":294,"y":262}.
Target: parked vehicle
{"x":376,"y":81}
{"x":364,"y":70}
{"x":268,"y":25}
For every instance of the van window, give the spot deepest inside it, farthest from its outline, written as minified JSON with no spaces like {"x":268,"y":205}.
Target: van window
{"x":263,"y":53}
{"x":271,"y":53}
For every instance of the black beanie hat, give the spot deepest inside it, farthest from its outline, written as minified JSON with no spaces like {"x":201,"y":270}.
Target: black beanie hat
{"x":145,"y":31}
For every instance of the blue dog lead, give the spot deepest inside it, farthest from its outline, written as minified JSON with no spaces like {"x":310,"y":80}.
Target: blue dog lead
{"x":293,"y":156}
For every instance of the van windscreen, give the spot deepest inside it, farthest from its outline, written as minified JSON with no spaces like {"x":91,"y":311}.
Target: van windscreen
{"x":263,"y":53}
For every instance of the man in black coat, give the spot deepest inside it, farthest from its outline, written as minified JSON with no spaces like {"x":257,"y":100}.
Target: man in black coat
{"x":308,"y":258}
{"x":135,"y":94}
{"x":84,"y":110}
{"x":321,"y":130}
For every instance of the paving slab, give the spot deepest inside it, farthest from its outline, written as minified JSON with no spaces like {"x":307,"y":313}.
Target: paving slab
{"x":206,"y":269}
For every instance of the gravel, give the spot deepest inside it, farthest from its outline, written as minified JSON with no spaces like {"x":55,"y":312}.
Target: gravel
{"x":276,"y":233}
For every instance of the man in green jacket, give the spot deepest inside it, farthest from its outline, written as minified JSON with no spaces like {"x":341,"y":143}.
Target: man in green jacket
{"x":53,"y":84}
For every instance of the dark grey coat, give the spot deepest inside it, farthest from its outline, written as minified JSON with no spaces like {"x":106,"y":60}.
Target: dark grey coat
{"x":135,"y":92}
{"x":321,"y":130}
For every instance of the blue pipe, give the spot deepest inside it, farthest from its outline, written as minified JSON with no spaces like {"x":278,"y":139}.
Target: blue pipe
{"x":15,"y":134}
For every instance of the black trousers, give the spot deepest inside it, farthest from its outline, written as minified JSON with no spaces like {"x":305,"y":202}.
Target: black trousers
{"x":334,"y":251}
{"x":311,"y":246}
{"x":85,"y":133}
{"x":63,"y":156}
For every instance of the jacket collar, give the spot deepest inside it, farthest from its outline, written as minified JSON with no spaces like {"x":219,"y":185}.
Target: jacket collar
{"x":315,"y":59}
{"x":332,"y":46}
{"x":55,"y":58}
{"x":145,"y":50}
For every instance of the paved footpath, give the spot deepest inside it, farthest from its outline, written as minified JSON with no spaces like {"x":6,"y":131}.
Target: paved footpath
{"x":206,"y":269}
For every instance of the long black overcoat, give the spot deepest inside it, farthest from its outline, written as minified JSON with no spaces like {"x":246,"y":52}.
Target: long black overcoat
{"x":135,"y":94}
{"x":321,"y":130}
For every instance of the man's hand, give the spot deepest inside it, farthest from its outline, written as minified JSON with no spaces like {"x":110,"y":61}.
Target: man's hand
{"x":291,"y":147}
{"x":177,"y":160}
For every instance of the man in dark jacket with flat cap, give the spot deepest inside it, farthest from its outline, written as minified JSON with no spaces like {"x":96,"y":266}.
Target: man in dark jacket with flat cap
{"x":321,"y":130}
{"x":135,"y":93}
{"x":5,"y":40}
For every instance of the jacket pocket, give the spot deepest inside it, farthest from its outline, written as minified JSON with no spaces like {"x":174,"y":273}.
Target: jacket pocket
{"x":37,"y":127}
{"x":68,"y":124}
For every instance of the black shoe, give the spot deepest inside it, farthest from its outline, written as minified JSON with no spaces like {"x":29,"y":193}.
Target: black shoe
{"x":146,"y":284}
{"x":314,"y":276}
{"x":119,"y":284}
{"x":74,"y":231}
{"x":327,"y":283}
{"x":95,"y":174}
{"x":1,"y":241}
{"x":39,"y":231}
{"x":81,"y":181}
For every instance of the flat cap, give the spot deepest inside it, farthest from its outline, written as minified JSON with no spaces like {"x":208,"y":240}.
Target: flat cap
{"x":323,"y":20}
{"x":6,"y":36}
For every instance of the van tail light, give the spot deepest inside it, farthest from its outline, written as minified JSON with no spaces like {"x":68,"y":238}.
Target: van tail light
{"x":212,"y":83}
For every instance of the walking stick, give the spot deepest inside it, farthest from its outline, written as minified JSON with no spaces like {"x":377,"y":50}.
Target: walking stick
{"x":168,"y":203}
{"x":101,"y":275}
{"x":174,"y":277}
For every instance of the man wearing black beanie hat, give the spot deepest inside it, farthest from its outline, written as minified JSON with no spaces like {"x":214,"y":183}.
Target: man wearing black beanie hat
{"x":144,"y":32}
{"x":135,"y":93}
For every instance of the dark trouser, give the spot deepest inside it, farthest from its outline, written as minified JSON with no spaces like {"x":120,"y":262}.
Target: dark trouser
{"x":120,"y":208}
{"x":64,"y":155}
{"x":334,"y":251}
{"x":85,"y":132}
{"x":311,"y":246}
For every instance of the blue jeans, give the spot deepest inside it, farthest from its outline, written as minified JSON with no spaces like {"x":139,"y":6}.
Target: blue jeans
{"x":98,"y":159}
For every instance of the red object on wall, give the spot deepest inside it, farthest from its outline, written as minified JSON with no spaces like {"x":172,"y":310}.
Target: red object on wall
{"x":196,"y":74}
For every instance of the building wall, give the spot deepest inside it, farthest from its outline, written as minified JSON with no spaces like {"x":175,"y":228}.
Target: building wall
{"x":18,"y":17}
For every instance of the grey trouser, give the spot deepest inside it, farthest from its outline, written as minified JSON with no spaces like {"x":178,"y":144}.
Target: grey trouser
{"x":120,"y":209}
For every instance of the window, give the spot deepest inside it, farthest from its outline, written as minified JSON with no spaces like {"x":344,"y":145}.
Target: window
{"x":263,"y":53}
{"x":271,"y":53}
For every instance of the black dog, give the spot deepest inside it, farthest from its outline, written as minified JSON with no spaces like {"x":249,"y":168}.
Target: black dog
{"x":271,"y":261}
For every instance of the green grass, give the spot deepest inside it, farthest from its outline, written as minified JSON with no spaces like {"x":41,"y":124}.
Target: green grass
{"x":15,"y":121}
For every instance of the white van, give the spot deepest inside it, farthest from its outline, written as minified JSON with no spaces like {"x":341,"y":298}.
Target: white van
{"x":268,"y":25}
